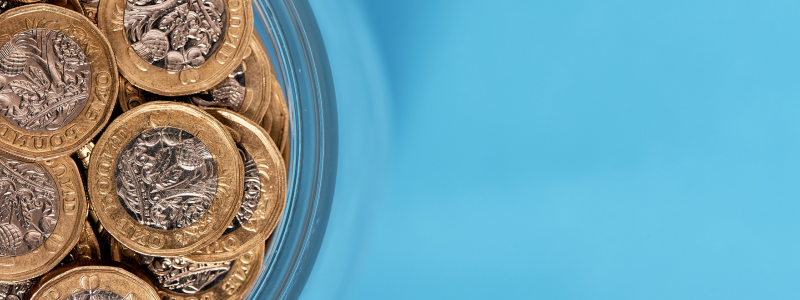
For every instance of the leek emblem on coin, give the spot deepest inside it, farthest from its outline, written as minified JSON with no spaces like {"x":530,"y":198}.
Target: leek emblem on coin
{"x":42,"y":211}
{"x":57,"y":81}
{"x":167,"y":179}
{"x":177,"y":47}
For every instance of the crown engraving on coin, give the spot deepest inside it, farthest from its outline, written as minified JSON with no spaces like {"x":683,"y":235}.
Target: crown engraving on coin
{"x":45,"y":79}
{"x":166,"y":178}
{"x":29,"y":206}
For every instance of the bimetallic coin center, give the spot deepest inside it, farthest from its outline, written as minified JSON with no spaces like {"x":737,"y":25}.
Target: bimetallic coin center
{"x":29,"y":206}
{"x":94,"y":295}
{"x":252,"y":192}
{"x":183,"y":276}
{"x":175,"y":35}
{"x":166,"y":178}
{"x":45,"y":80}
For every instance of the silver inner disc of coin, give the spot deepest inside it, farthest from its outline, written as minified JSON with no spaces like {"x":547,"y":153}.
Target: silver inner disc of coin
{"x":182,"y":276}
{"x":94,"y":295}
{"x":166,"y":178}
{"x":29,"y":206}
{"x":45,"y":80}
{"x":252,"y":192}
{"x":175,"y":34}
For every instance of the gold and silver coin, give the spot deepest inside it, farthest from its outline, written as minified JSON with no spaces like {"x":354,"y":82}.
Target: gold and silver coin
{"x":177,"y":47}
{"x":178,"y":278}
{"x":264,"y":191}
{"x":42,"y":213}
{"x":247,"y":91}
{"x":166,"y":179}
{"x":93,"y":282}
{"x":58,"y":81}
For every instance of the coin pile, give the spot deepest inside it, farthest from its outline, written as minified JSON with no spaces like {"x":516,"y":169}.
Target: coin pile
{"x":143,"y":149}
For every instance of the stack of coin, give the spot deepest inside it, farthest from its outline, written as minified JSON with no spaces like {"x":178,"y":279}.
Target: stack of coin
{"x":143,"y":149}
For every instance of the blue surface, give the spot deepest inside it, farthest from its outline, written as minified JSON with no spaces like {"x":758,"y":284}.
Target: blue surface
{"x":564,"y":150}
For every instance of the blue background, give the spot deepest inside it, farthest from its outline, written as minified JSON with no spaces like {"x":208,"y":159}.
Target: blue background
{"x":563,"y":150}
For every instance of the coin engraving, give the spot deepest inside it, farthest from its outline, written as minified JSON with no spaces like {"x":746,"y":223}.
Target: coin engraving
{"x":228,"y":94}
{"x":180,"y":275}
{"x":94,"y":295}
{"x":29,"y":206}
{"x":175,"y":35}
{"x":16,"y":290}
{"x":166,"y":178}
{"x":252,"y":192}
{"x":45,"y":79}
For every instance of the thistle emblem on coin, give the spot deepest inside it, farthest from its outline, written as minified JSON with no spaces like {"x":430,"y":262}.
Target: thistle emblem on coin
{"x":45,"y":79}
{"x":166,"y":178}
{"x":175,"y":34}
{"x":29,"y":206}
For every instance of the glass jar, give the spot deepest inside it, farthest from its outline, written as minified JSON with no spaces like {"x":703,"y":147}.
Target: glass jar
{"x":294,"y":44}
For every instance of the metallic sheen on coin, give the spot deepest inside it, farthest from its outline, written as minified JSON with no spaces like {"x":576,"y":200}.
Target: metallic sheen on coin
{"x":42,"y":212}
{"x":181,"y":279}
{"x":264,"y":191}
{"x":58,"y":81}
{"x":166,"y":179}
{"x":94,"y":282}
{"x":177,"y":47}
{"x":16,"y":290}
{"x":276,"y":120}
{"x":246,"y":91}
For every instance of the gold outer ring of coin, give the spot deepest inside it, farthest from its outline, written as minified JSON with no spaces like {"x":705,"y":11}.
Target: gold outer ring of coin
{"x":94,"y":279}
{"x":234,"y":44}
{"x":276,"y":120}
{"x":111,"y":211}
{"x":258,"y":80}
{"x":272,"y":178}
{"x":102,"y":96}
{"x":236,"y":284}
{"x":66,"y":233}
